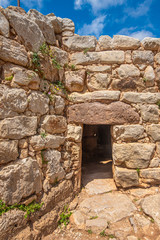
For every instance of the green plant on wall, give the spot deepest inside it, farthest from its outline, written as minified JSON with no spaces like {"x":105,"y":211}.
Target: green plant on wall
{"x":64,"y":216}
{"x":9,"y":78}
{"x":44,"y":49}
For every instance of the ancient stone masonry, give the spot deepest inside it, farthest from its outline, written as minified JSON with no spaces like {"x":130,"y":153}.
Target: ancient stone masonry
{"x":53,"y":81}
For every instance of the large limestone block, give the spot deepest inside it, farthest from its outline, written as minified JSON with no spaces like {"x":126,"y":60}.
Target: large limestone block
{"x":50,"y":141}
{"x":4,"y":25}
{"x":134,"y":97}
{"x":107,"y":96}
{"x":107,"y":57}
{"x":125,"y":42}
{"x":44,"y":24}
{"x":8,"y":151}
{"x":105,"y":43}
{"x":128,"y":71}
{"x":54,"y":124}
{"x":13,"y":101}
{"x":67,"y":25}
{"x":98,"y":81}
{"x":151,"y":43}
{"x":80,"y":43}
{"x":150,"y":175}
{"x":57,"y":25}
{"x":128,"y":133}
{"x":154,"y":131}
{"x":19,"y":180}
{"x":98,"y":68}
{"x":60,"y":55}
{"x":74,"y":80}
{"x":18,"y":127}
{"x":125,"y":177}
{"x":98,"y":113}
{"x":54,"y":172}
{"x":12,"y":51}
{"x":133,"y":155}
{"x":38,"y":103}
{"x":27,"y":30}
{"x":150,"y":113}
{"x":74,"y":133}
{"x":149,"y":76}
{"x":142,"y":57}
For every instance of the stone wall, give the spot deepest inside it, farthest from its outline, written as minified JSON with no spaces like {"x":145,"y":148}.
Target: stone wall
{"x":51,"y":83}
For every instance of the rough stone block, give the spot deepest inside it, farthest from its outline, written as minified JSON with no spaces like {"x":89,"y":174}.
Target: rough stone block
{"x":38,"y":103}
{"x":150,"y":175}
{"x":157,"y":58}
{"x":133,"y":155}
{"x":126,"y":177}
{"x":128,"y":133}
{"x":80,"y":43}
{"x":54,"y":124}
{"x":112,"y":57}
{"x":133,"y":97}
{"x":98,"y":113}
{"x":67,"y":25}
{"x":4,"y":25}
{"x":151,"y":43}
{"x":150,"y":113}
{"x":60,"y":55}
{"x":98,"y":81}
{"x":153,"y":130}
{"x":8,"y":151}
{"x":12,"y":51}
{"x":74,"y":80}
{"x":125,"y":42}
{"x":74,"y":133}
{"x":18,"y":127}
{"x":25,"y":178}
{"x":149,"y":76}
{"x":142,"y":57}
{"x":105,"y":43}
{"x":59,"y":105}
{"x":128,"y":71}
{"x":98,"y":68}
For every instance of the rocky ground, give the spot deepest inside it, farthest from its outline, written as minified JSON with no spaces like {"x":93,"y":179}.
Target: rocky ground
{"x":101,"y":211}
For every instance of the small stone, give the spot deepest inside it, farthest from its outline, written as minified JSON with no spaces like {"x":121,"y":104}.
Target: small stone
{"x":155,"y":162}
{"x":78,"y":219}
{"x":96,"y":225}
{"x":54,"y":124}
{"x":142,"y":57}
{"x":67,"y":25}
{"x":74,"y":133}
{"x":98,"y":81}
{"x":150,"y":175}
{"x":60,"y":55}
{"x":98,"y":68}
{"x":151,"y":43}
{"x":56,"y":23}
{"x":23,"y":153}
{"x":23,"y":143}
{"x":105,"y":43}
{"x":125,"y":177}
{"x":125,"y":42}
{"x":128,"y":71}
{"x":74,"y":80}
{"x":38,"y":103}
{"x":132,"y":238}
{"x":154,"y":131}
{"x":59,"y":105}
{"x":157,"y":58}
{"x":149,"y":76}
{"x":8,"y":151}
{"x":150,"y":113}
{"x":128,"y":133}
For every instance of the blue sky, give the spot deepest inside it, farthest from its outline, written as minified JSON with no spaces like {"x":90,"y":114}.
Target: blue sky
{"x":137,"y":18}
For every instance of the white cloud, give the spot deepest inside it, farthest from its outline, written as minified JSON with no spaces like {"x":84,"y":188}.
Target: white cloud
{"x":4,"y":3}
{"x":141,"y":10}
{"x":136,"y":34}
{"x":95,"y":28}
{"x":98,"y":4}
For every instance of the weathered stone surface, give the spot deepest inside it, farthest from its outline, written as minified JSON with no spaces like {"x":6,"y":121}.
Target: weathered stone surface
{"x":44,"y":24}
{"x":60,"y":55}
{"x":98,"y":81}
{"x":107,"y":206}
{"x":74,"y":80}
{"x":150,"y":206}
{"x":25,"y":178}
{"x":25,"y":78}
{"x":80,"y":43}
{"x":54,"y":172}
{"x":155,"y":162}
{"x":78,"y":219}
{"x":107,"y":57}
{"x":96,"y":225}
{"x":98,"y":68}
{"x":18,"y":127}
{"x":67,"y":25}
{"x":128,"y":133}
{"x":13,"y":101}
{"x":8,"y":151}
{"x":4,"y":26}
{"x":57,"y":25}
{"x":150,"y":113}
{"x":97,"y":113}
{"x":33,"y":37}
{"x":59,"y":105}
{"x":133,"y":97}
{"x":74,"y":133}
{"x":149,"y":76}
{"x":154,"y":131}
{"x":150,"y":175}
{"x":95,"y":96}
{"x":100,"y":186}
{"x":38,"y":103}
{"x":151,"y":43}
{"x":12,"y":51}
{"x":125,"y":177}
{"x":24,"y":234}
{"x":123,"y":84}
{"x":54,"y":124}
{"x":10,"y":222}
{"x":142,"y":57}
{"x":50,"y":141}
{"x":125,"y":42}
{"x":128,"y":71}
{"x":68,"y":33}
{"x":105,"y":43}
{"x":133,"y":155}
{"x":157,"y":58}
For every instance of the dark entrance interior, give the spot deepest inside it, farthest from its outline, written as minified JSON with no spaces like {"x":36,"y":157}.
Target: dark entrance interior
{"x":96,"y":153}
